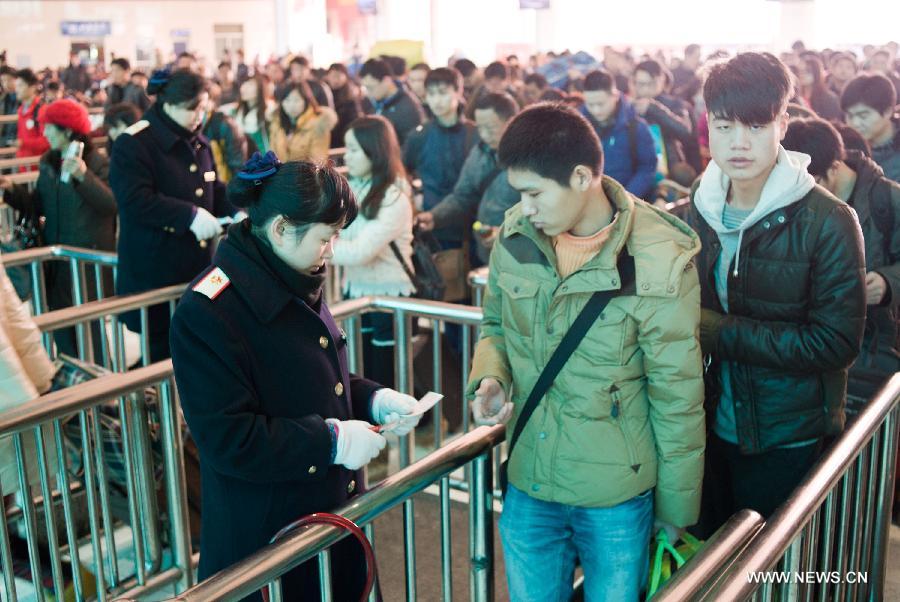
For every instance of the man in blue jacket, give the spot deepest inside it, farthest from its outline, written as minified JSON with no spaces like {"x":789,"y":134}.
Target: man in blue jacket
{"x":630,"y":156}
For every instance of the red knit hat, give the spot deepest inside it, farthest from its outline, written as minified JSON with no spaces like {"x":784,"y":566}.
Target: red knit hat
{"x":67,"y":114}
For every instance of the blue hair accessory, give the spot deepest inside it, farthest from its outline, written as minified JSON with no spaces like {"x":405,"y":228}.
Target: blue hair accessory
{"x":259,"y":167}
{"x":161,"y":77}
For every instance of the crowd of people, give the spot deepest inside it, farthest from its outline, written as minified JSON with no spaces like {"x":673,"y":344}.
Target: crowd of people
{"x":772,"y":293}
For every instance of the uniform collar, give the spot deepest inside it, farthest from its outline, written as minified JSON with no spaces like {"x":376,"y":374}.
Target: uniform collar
{"x":167,"y":132}
{"x":251,"y":277}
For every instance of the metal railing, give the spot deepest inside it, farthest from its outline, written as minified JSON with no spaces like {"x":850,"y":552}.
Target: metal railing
{"x":78,"y":259}
{"x":44,"y":419}
{"x":271,"y":562}
{"x":13,"y":117}
{"x":82,"y":316}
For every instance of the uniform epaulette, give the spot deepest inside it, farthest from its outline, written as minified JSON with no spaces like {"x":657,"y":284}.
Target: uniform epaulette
{"x":213,"y":283}
{"x":137,"y":127}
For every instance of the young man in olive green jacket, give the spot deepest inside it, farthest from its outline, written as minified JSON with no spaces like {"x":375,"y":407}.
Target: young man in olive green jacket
{"x":619,"y":436}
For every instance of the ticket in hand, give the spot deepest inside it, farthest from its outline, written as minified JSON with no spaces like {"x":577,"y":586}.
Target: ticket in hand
{"x":428,"y":401}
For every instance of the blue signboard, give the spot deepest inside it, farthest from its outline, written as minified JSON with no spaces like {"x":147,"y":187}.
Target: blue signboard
{"x":85,"y":29}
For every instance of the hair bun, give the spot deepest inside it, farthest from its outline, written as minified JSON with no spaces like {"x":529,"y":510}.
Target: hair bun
{"x":158,"y":80}
{"x":245,"y":188}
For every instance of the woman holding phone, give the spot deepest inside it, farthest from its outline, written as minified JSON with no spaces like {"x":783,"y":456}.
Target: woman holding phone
{"x":74,"y":199}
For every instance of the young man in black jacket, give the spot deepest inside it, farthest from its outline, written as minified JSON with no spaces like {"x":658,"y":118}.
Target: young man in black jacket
{"x":782,"y":276}
{"x":388,"y":97}
{"x":858,"y":181}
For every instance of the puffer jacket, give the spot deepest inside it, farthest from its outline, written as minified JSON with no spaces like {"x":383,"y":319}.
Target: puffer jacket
{"x":876,"y":201}
{"x":227,"y":143}
{"x":625,"y":413}
{"x":310,"y":139}
{"x":25,"y":372}
{"x":796,"y":313}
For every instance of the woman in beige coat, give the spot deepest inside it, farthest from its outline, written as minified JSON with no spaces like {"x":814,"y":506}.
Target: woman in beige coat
{"x":300,"y":130}
{"x":25,"y":373}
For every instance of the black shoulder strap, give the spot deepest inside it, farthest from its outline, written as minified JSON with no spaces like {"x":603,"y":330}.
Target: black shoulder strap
{"x":489,"y":179}
{"x":409,"y":272}
{"x":883,"y":212}
{"x":595,"y":305}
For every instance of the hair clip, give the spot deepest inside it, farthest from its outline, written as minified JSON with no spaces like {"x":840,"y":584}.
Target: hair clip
{"x":259,"y":167}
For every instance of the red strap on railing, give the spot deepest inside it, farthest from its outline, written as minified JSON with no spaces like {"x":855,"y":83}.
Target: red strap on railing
{"x":335,"y":520}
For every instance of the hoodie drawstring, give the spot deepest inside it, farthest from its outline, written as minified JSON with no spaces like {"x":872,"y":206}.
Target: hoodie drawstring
{"x":737,"y":254}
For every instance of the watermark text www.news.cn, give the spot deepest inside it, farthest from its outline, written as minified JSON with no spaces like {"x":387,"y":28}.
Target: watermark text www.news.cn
{"x":820,"y":577}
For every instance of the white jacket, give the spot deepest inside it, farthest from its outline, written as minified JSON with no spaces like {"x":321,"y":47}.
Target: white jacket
{"x":25,"y":372}
{"x":363,"y":249}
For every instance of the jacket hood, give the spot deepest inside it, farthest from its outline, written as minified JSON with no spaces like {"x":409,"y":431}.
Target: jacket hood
{"x":788,"y":183}
{"x":660,"y":243}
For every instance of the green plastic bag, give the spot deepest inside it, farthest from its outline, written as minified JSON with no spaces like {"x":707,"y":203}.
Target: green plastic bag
{"x":663,"y":555}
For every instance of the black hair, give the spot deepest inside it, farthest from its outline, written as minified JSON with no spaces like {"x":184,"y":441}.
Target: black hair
{"x":186,"y":55}
{"x":340,"y":68}
{"x":299,"y":60}
{"x":182,"y":87}
{"x":835,"y":58}
{"x":54,"y":86}
{"x":651,"y":67}
{"x":753,"y":88}
{"x":537,"y":79}
{"x":27,"y":76}
{"x":599,"y":80}
{"x":496,"y":70}
{"x":853,"y":140}
{"x":378,"y":141}
{"x":305,"y":193}
{"x":444,"y":76}
{"x":376,"y":68}
{"x":552,"y":95}
{"x":7,"y":70}
{"x":224,"y":64}
{"x":871,"y":89}
{"x":243,"y":107}
{"x":396,"y":63}
{"x":465,"y":66}
{"x":121,"y":62}
{"x":302,"y":88}
{"x":551,"y":139}
{"x":420,"y":67}
{"x":501,"y":104}
{"x":121,"y":113}
{"x":818,"y":139}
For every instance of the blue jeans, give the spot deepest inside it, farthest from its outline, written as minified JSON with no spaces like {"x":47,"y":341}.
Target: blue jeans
{"x":541,"y":540}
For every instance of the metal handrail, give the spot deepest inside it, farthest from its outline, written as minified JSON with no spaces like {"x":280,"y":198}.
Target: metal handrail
{"x":95,"y":310}
{"x":13,"y":118}
{"x":716,"y":554}
{"x":65,"y":402}
{"x":773,"y":540}
{"x":272,"y":561}
{"x":28,"y":177}
{"x":462,"y":314}
{"x":19,"y":162}
{"x":105,"y":258}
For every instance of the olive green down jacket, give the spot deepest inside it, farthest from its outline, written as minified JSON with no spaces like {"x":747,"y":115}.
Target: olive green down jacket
{"x":625,"y":413}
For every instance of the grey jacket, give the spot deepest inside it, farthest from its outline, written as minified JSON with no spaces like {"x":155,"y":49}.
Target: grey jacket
{"x":482,"y":191}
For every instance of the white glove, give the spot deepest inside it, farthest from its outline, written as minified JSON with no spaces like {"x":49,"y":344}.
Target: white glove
{"x":490,"y":405}
{"x":357,"y":443}
{"x":239,"y":217}
{"x":388,"y":407}
{"x":205,"y":225}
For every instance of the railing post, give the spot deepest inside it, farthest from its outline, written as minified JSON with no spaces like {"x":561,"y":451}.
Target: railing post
{"x":176,"y":495}
{"x":481,"y":504}
{"x":883,"y":506}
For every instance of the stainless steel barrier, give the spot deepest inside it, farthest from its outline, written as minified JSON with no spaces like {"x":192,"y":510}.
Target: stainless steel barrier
{"x":12,"y":118}
{"x":43,"y":420}
{"x":268,"y":564}
{"x":78,"y":260}
{"x":109,"y":309}
{"x":477,"y":282}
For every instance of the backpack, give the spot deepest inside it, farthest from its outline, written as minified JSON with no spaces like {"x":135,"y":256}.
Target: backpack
{"x":424,"y":273}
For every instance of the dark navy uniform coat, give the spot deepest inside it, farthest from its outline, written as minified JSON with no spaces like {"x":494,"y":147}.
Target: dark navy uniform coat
{"x":159,"y":178}
{"x":258,"y":372}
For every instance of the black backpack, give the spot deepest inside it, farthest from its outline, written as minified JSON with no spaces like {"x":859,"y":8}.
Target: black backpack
{"x":424,"y":274}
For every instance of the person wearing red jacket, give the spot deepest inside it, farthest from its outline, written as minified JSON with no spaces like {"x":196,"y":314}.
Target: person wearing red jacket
{"x":30,"y":131}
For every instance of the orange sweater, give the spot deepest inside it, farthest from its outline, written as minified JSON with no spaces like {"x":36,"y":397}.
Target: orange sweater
{"x":572,"y":252}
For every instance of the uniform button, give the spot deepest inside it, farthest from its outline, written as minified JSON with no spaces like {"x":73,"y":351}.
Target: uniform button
{"x":766,"y":225}
{"x":535,"y":487}
{"x":193,"y":168}
{"x":198,"y":192}
{"x":780,"y":219}
{"x":615,"y":282}
{"x":515,"y":289}
{"x":565,"y":287}
{"x":312,"y":470}
{"x":603,"y":316}
{"x":351,"y":487}
{"x":339,"y":389}
{"x":645,"y":286}
{"x":549,"y":330}
{"x":323,"y":342}
{"x":543,"y":435}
